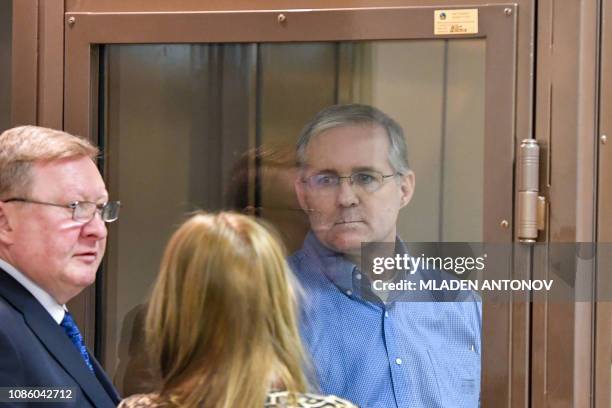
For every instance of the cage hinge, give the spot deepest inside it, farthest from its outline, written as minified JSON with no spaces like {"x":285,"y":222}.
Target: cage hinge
{"x":531,"y":205}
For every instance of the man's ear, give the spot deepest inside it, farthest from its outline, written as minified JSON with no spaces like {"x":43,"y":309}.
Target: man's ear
{"x":407,"y":187}
{"x":6,"y":231}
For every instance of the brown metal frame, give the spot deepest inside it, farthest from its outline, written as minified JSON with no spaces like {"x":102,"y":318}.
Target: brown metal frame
{"x":557,"y":125}
{"x":24,"y":63}
{"x":51,"y":64}
{"x":37,"y":63}
{"x":566,"y":116}
{"x":603,"y":309}
{"x":498,"y":23}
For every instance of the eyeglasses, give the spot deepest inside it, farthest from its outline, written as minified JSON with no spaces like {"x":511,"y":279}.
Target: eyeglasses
{"x":82,"y":211}
{"x":368,"y":181}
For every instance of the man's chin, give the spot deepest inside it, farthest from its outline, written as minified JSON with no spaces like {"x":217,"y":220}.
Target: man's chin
{"x":350,"y":244}
{"x":82,"y":278}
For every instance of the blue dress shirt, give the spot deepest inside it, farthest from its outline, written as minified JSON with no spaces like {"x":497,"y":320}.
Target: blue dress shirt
{"x":384,"y":355}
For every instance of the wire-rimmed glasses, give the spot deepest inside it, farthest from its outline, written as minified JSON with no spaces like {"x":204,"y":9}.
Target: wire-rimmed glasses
{"x":82,"y":211}
{"x":369,"y":181}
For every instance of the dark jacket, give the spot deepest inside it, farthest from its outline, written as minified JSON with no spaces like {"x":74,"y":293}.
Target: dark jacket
{"x":36,"y":352}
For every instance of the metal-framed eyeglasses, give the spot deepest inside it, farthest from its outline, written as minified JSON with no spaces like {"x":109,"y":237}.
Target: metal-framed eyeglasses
{"x":82,"y":211}
{"x":368,"y":181}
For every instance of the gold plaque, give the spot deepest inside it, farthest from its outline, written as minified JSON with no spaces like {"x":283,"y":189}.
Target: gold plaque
{"x":451,"y":22}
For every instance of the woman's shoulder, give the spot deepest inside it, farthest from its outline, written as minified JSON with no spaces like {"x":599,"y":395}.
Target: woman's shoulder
{"x":279,"y":400}
{"x":139,"y":401}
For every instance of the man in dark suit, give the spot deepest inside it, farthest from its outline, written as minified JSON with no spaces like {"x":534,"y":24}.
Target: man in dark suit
{"x":53,"y":209}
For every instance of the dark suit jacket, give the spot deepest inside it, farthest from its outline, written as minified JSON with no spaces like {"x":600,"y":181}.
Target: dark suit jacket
{"x":36,"y":352}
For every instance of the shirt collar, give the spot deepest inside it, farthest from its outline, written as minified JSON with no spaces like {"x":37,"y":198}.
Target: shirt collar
{"x":334,"y":265}
{"x":56,"y":310}
{"x":338,"y":269}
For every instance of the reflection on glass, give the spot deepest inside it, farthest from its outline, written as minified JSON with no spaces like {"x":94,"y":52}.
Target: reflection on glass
{"x":211,"y":126}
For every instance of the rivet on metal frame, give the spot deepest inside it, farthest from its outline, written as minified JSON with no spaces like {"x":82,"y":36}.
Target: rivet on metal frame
{"x":508,"y":11}
{"x":504,"y":224}
{"x":281,"y":18}
{"x":71,"y":20}
{"x":603,"y":139}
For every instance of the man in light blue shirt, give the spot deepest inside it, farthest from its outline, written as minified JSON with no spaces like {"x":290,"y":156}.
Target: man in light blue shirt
{"x":354,"y":179}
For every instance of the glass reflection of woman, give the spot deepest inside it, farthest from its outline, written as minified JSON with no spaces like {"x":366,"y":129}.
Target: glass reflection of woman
{"x":221,"y":325}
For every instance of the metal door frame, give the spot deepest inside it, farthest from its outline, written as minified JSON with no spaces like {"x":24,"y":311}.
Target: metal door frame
{"x":547,"y":101}
{"x":603,"y":309}
{"x":564,"y":365}
{"x":497,"y":23}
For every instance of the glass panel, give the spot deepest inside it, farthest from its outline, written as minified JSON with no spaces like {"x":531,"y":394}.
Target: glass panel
{"x":214,"y":126}
{"x":6,"y":37}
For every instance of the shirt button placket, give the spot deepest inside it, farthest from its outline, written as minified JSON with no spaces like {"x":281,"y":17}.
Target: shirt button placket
{"x":398,"y":374}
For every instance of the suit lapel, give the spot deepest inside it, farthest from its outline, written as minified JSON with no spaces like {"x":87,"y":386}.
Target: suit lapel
{"x":104,"y":380}
{"x":55,"y":340}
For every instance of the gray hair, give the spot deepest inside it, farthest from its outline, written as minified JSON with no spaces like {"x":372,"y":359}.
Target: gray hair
{"x":351,"y":115}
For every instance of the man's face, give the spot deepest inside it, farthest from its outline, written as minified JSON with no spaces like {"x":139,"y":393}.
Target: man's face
{"x":348,"y":216}
{"x":44,"y":242}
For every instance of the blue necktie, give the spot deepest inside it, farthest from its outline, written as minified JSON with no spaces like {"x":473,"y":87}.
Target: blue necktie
{"x":71,"y":329}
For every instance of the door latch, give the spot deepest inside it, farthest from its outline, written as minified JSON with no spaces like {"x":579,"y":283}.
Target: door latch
{"x":531,"y":205}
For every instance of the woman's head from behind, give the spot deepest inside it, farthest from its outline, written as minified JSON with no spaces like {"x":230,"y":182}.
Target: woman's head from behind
{"x":221,"y":322}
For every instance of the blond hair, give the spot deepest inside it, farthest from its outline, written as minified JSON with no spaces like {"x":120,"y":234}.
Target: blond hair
{"x":221,"y":323}
{"x":22,"y":146}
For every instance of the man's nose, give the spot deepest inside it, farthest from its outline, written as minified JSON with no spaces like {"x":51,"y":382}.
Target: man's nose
{"x":96,"y":227}
{"x":346,"y":194}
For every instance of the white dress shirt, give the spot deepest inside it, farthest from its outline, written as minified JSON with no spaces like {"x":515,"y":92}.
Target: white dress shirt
{"x":56,"y":310}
